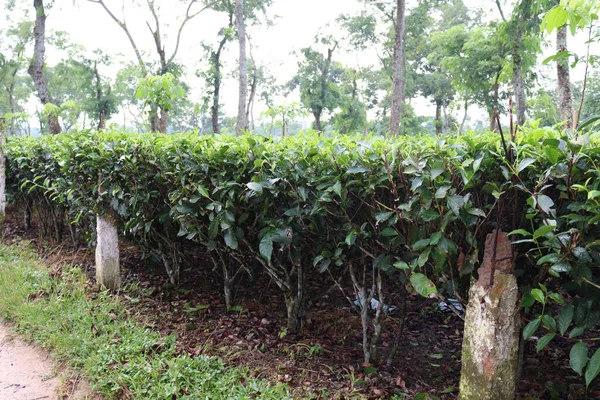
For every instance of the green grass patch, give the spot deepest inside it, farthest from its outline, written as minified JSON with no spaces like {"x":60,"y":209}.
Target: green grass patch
{"x":91,"y":332}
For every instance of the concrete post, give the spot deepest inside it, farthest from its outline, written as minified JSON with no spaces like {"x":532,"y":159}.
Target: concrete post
{"x":108,"y":270}
{"x":492,"y":328}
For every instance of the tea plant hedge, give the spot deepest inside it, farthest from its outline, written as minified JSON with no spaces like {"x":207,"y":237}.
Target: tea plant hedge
{"x":368,"y":214}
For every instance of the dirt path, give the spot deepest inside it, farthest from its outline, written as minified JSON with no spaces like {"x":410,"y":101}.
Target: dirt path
{"x":29,"y":373}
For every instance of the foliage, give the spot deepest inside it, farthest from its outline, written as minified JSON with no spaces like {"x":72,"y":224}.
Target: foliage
{"x":92,"y":332}
{"x":159,"y":90}
{"x":411,"y":210}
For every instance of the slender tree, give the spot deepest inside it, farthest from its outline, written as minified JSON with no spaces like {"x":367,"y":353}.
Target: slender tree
{"x":36,"y":67}
{"x":563,"y":77}
{"x":242,"y":119}
{"x":398,"y":77}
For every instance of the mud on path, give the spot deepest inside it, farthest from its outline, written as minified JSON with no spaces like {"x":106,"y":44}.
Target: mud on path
{"x":29,"y":373}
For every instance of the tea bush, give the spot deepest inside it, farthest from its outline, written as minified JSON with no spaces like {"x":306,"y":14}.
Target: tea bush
{"x":415,"y":209}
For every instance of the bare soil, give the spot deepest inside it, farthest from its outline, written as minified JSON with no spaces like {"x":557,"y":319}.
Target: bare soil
{"x":29,"y":373}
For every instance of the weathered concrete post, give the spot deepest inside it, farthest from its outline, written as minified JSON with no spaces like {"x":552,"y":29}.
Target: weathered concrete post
{"x":2,"y":175}
{"x":108,"y":270}
{"x":492,"y":327}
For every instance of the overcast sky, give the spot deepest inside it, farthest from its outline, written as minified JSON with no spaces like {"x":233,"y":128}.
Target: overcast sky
{"x":295,"y":24}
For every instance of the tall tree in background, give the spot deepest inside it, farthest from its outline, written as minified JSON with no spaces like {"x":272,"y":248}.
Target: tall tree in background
{"x":563,"y":78}
{"x":36,"y":67}
{"x":214,"y":76}
{"x":523,"y":31}
{"x":252,"y":12}
{"x":12,"y":60}
{"x":158,"y":115}
{"x":316,"y":78}
{"x":398,"y":77}
{"x":242,"y":118}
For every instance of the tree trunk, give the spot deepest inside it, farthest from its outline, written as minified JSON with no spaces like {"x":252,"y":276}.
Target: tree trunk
{"x":564,"y":82}
{"x":242,"y":120}
{"x":324,"y":89}
{"x":518,"y":86}
{"x":253,"y":85}
{"x":99,"y":95}
{"x":462,"y":124}
{"x":163,"y":120}
{"x":438,"y":117}
{"x":216,"y":58}
{"x":493,"y":126}
{"x":11,"y":99}
{"x":36,"y":67}
{"x":317,"y":116}
{"x":398,"y":78}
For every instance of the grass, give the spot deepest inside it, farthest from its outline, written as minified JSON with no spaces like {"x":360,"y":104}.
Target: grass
{"x":91,"y":332}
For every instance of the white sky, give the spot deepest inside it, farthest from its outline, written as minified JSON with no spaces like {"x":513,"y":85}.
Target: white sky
{"x":295,"y":27}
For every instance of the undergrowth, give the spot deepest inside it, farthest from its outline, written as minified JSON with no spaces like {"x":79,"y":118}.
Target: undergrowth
{"x":91,"y":332}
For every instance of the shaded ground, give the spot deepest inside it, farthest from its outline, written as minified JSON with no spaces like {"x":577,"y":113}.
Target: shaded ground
{"x":28,"y":373}
{"x":326,"y":357}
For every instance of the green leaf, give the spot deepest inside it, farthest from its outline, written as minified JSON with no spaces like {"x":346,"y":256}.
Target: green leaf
{"x":557,"y":297}
{"x":455,"y":203}
{"x":545,"y":203}
{"x":551,"y":154}
{"x":203,"y":191}
{"x":230,"y":239}
{"x":527,"y":300}
{"x":593,"y":368}
{"x":423,"y":285}
{"x":424,"y":256}
{"x":266,"y":248}
{"x":337,"y":188}
{"x":401,"y":265}
{"x":255,"y":187}
{"x":578,"y":357}
{"x":525,"y":163}
{"x":549,"y":322}
{"x":588,"y":121}
{"x":577,"y":331}
{"x":519,"y":232}
{"x":565,"y":317}
{"x":435,"y":238}
{"x":383,"y":216}
{"x":530,"y":328}
{"x":389,"y":232}
{"x":561,"y":267}
{"x":441,"y":192}
{"x":421,"y":244}
{"x":543,"y":231}
{"x":357,"y":170}
{"x":544,"y":340}
{"x":538,"y":295}
{"x":548,"y":258}
{"x":416,"y":183}
{"x":351,"y":238}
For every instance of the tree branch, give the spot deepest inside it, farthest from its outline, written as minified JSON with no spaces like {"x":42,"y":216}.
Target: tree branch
{"x":187,"y":18}
{"x":500,"y":9}
{"x":123,"y":26}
